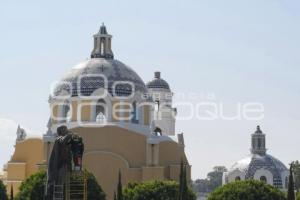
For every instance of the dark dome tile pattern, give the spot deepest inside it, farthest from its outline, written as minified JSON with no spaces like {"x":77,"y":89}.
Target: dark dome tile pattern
{"x":158,"y":84}
{"x":90,"y":75}
{"x":267,"y":162}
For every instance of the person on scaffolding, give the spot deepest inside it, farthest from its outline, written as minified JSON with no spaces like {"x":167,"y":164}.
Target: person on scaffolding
{"x":77,"y":148}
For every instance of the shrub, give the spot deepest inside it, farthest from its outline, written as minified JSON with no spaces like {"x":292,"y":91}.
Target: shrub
{"x":247,"y":190}
{"x":3,"y":195}
{"x":33,"y":187}
{"x":158,"y":190}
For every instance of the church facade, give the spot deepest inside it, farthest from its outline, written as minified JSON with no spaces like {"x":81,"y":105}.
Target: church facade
{"x":126,"y":125}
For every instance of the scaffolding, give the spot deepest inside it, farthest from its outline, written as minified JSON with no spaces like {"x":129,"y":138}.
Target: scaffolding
{"x":75,"y":187}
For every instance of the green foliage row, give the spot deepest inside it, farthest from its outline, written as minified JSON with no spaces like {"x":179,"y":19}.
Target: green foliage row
{"x":154,"y":190}
{"x":247,"y":190}
{"x":33,"y":188}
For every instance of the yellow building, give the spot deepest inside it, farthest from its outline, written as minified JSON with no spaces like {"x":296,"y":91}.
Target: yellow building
{"x":126,"y":125}
{"x":25,"y":161}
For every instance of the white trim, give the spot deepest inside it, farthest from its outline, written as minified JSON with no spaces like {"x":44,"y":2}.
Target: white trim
{"x":16,"y":163}
{"x":13,"y":181}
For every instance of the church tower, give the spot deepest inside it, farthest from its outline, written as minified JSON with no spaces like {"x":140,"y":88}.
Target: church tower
{"x":164,"y":114}
{"x":258,"y":145}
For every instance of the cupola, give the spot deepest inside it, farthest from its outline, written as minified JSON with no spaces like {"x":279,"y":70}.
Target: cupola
{"x":102,"y":44}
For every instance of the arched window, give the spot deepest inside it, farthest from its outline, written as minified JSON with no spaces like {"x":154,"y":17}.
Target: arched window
{"x":259,"y":143}
{"x":135,"y":117}
{"x":66,"y":112}
{"x":263,"y":179}
{"x":157,"y":131}
{"x":238,"y":178}
{"x":156,"y":108}
{"x":100,"y":111}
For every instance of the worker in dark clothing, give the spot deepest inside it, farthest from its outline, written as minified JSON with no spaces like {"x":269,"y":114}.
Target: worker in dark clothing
{"x":77,"y":148}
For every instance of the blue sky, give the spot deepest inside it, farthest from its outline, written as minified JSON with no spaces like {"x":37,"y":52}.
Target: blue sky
{"x":240,"y":51}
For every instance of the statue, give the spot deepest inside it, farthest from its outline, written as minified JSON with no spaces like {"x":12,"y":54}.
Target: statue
{"x":66,"y":155}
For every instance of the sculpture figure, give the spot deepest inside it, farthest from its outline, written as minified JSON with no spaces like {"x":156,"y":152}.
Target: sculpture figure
{"x":67,"y":152}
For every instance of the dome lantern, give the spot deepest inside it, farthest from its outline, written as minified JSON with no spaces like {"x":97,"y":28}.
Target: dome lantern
{"x":258,"y":142}
{"x":102,"y":44}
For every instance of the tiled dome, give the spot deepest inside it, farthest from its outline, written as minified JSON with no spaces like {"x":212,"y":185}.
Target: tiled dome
{"x":90,"y":75}
{"x":158,"y":83}
{"x":250,"y":164}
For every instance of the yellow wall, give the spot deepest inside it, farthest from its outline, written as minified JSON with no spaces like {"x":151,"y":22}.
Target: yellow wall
{"x":147,"y":114}
{"x":117,"y":140}
{"x":74,"y":111}
{"x":111,"y":149}
{"x":24,"y":162}
{"x":85,"y":110}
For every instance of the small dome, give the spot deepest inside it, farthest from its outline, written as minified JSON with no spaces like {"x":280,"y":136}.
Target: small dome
{"x":250,"y":164}
{"x":259,"y":163}
{"x":91,"y":74}
{"x":158,"y":83}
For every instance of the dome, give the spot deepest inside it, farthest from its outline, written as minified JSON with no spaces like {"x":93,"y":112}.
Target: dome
{"x":88,"y":76}
{"x":158,"y":83}
{"x":101,"y":71}
{"x":259,"y":165}
{"x":253,"y":162}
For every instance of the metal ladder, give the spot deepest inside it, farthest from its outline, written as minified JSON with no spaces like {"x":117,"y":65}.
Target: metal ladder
{"x":58,"y":192}
{"x":74,"y":189}
{"x":77,"y":186}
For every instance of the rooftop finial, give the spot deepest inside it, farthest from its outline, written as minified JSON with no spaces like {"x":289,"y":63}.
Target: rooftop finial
{"x":258,"y":130}
{"x":157,"y":75}
{"x":103,"y":29}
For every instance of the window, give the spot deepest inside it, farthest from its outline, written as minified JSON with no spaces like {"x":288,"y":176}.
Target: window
{"x":157,"y":131}
{"x":238,"y":178}
{"x":156,"y":108}
{"x":102,"y":47}
{"x":263,"y":179}
{"x":66,"y":112}
{"x":100,"y":114}
{"x":134,"y":113}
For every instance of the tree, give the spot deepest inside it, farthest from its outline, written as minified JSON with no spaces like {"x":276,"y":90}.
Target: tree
{"x":3,"y":195}
{"x":213,"y":180}
{"x":115,"y":196}
{"x":158,"y":190}
{"x":298,"y":195}
{"x":291,"y":187}
{"x":182,"y":181}
{"x":297,"y":174}
{"x":184,"y":185}
{"x":247,"y":190}
{"x":33,"y":187}
{"x":120,"y":190}
{"x":11,"y":193}
{"x":215,"y":177}
{"x":94,"y":189}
